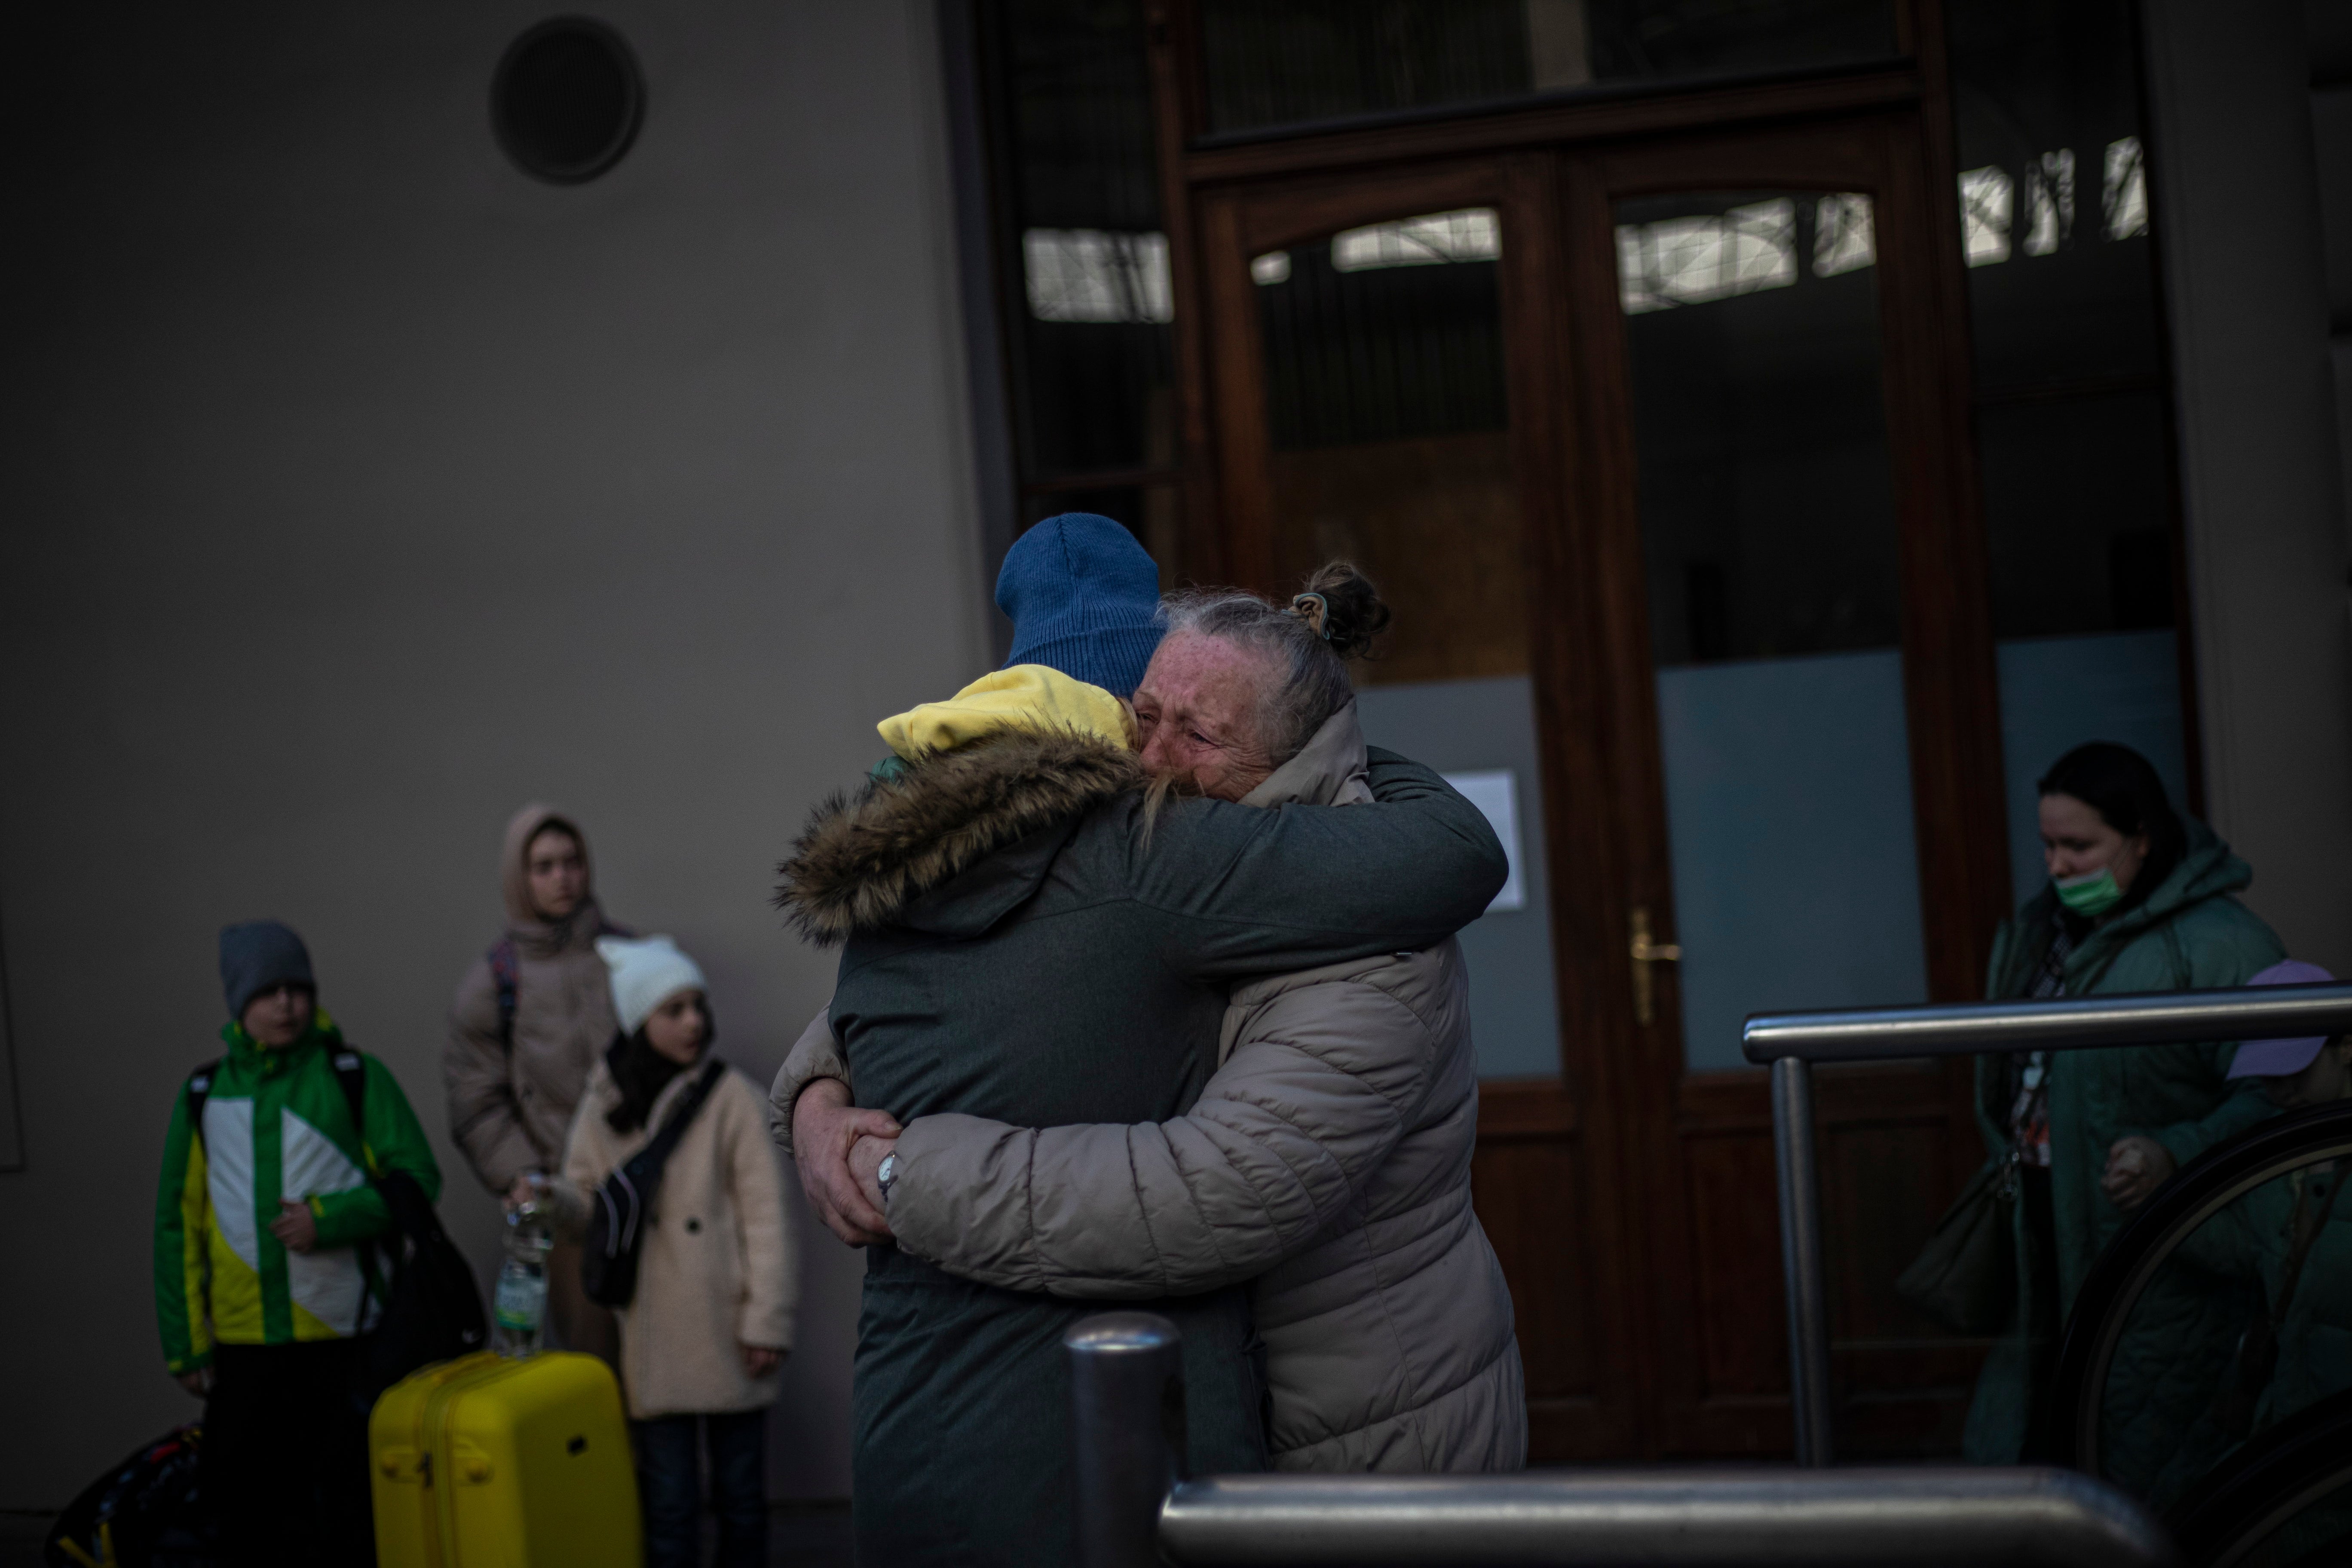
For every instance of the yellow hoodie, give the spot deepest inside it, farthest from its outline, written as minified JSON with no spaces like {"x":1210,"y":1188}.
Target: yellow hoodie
{"x":1024,"y":697}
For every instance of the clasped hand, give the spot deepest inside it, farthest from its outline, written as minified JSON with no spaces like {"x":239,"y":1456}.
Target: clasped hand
{"x":838,"y":1148}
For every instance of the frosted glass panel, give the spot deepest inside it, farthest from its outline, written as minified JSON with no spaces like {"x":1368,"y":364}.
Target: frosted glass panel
{"x":2058,"y":692}
{"x":1488,"y":727}
{"x":1796,"y":873}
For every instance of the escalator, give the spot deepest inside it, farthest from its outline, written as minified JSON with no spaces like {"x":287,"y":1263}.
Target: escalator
{"x":2207,"y":1365}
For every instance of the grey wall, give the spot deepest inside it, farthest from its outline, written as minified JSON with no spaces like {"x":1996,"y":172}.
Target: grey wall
{"x":358,"y":488}
{"x":2237,"y":206}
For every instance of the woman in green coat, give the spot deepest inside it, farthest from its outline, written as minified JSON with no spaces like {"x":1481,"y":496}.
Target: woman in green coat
{"x":2140,"y":899}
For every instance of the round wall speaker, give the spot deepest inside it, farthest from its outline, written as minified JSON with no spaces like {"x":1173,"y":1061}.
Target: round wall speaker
{"x":567,"y":99}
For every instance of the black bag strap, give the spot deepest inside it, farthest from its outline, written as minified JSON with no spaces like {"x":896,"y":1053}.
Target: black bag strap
{"x":351,"y":1075}
{"x":199,"y":1089}
{"x":506,"y":974}
{"x":644,"y":1168}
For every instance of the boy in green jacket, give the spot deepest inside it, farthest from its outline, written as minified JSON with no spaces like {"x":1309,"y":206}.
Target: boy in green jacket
{"x":262,"y":1288}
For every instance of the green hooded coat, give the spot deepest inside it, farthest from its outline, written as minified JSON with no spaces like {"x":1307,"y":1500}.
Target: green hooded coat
{"x":2189,"y":933}
{"x":277,"y":1125}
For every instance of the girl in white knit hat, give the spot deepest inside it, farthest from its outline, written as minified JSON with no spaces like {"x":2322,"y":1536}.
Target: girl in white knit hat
{"x":711,"y":1315}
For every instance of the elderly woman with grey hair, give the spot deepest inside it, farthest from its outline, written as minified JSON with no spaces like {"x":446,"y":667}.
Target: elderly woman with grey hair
{"x":1327,"y":1161}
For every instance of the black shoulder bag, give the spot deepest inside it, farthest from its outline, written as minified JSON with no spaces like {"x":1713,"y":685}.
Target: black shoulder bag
{"x":608,"y":1259}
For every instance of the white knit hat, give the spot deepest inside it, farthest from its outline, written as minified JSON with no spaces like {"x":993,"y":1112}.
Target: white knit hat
{"x":644,"y":975}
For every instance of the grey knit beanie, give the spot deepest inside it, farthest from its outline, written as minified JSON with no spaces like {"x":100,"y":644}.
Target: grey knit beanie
{"x":258,"y":956}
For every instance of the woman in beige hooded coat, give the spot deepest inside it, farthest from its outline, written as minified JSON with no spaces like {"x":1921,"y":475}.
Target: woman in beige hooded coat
{"x":525,"y":1027}
{"x":1328,"y":1160}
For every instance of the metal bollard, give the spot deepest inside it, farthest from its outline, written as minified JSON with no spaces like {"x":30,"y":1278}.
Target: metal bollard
{"x":1797,"y":1156}
{"x":1127,"y":1392}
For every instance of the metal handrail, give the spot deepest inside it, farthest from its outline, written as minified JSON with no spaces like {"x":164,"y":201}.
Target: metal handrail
{"x":1974,"y":1028}
{"x":1123,"y":1366}
{"x":1910,"y":1518}
{"x":1793,"y":1041}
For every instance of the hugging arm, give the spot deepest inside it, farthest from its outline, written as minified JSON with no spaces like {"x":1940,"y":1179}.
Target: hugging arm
{"x":1307,"y":1107}
{"x":816,"y":1055}
{"x":1247,"y":891}
{"x":810,"y":1118}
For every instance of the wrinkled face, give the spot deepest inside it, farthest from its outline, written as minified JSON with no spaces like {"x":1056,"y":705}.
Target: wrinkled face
{"x":1198,"y":714}
{"x":677,"y":1027}
{"x":2328,"y":1078}
{"x":557,"y":871}
{"x":277,"y":1017}
{"x":2076,"y":839}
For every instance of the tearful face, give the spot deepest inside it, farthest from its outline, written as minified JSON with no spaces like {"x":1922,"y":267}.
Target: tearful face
{"x":1200,"y":714}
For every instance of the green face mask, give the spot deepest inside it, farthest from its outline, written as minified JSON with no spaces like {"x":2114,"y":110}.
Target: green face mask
{"x":2090,"y":895}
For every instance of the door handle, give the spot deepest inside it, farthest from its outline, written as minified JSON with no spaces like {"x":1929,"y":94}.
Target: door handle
{"x":1645,"y":952}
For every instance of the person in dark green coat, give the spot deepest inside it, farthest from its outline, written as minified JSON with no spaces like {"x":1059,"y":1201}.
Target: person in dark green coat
{"x":2139,"y":899}
{"x":1035,"y":933}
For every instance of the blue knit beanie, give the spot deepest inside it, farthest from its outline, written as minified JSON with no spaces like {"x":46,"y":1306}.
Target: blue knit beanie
{"x":1084,"y":598}
{"x":258,"y":957}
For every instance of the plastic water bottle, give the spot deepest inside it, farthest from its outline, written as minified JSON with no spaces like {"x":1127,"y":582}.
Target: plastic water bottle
{"x":520,"y":1303}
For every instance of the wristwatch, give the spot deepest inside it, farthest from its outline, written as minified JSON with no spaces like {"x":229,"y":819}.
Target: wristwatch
{"x":887,"y":1173}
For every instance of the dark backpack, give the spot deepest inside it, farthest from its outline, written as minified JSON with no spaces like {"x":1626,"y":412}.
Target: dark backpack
{"x":146,"y":1511}
{"x":431,"y":1309}
{"x":506,"y":974}
{"x":608,"y":1260}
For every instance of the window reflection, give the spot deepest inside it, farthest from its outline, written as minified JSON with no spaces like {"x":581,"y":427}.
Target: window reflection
{"x":1088,"y":340}
{"x":1091,"y":275}
{"x":1687,"y":260}
{"x":1691,"y":260}
{"x":1842,"y":234}
{"x":2124,"y":194}
{"x":1470,"y":235}
{"x":1984,"y":215}
{"x":2050,"y":190}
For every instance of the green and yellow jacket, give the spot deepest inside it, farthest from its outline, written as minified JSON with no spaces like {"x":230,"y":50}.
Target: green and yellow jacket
{"x":276,"y":1123}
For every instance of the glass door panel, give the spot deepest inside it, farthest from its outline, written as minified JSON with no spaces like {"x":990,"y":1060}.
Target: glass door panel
{"x":1771,"y":552}
{"x":2065,"y":318}
{"x":1388,"y":442}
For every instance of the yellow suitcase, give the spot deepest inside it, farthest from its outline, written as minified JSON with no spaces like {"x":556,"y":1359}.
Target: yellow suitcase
{"x":488,"y":1462}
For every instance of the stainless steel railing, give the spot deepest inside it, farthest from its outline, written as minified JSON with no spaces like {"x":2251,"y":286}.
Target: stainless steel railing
{"x":1792,"y":1042}
{"x":1134,"y":1510}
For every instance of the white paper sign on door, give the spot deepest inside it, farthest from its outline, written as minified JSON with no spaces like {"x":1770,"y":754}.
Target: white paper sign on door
{"x":1497,"y":797}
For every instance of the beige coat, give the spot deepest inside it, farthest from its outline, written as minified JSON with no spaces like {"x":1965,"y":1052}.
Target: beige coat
{"x":1328,"y":1160}
{"x":719,"y":1266}
{"x":509,"y":1111}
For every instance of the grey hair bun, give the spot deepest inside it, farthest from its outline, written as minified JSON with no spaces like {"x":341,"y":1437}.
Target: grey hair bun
{"x":1353,"y":613}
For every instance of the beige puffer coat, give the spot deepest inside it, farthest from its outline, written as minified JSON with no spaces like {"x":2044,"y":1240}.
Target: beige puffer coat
{"x":511,"y":1109}
{"x":719,"y":1266}
{"x":1328,"y":1160}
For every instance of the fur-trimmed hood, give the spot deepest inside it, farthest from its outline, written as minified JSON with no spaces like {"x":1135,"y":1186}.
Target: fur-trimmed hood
{"x":864,"y":858}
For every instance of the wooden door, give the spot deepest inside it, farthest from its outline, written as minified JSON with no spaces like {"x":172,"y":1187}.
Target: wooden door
{"x":1477,"y":439}
{"x":1878,"y":520}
